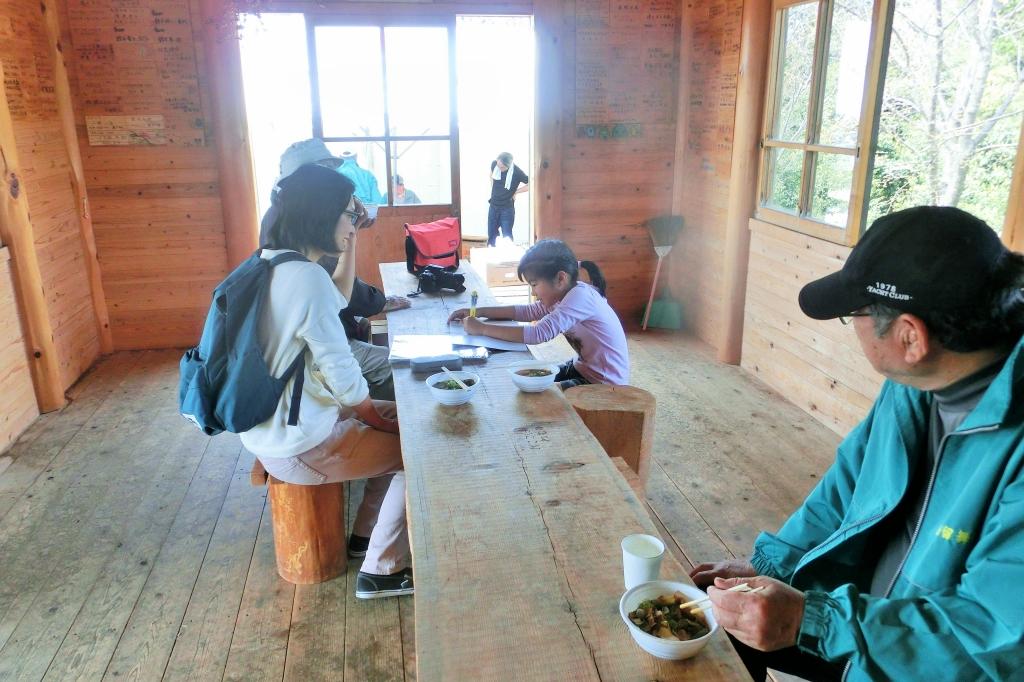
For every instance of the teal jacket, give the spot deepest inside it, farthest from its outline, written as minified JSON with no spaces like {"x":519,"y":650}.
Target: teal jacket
{"x":956,"y":611}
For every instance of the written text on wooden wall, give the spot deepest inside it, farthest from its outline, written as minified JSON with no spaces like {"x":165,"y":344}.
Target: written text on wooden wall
{"x":123,"y":47}
{"x":627,"y":61}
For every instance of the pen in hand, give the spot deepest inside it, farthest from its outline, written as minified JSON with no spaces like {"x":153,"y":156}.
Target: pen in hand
{"x":472,"y":304}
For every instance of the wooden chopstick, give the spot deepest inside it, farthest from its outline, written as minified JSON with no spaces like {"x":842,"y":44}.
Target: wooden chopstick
{"x":702,"y":609}
{"x":742,"y":587}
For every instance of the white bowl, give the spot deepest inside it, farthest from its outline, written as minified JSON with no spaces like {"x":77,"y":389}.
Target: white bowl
{"x":669,"y":649}
{"x":455,"y":396}
{"x":533,"y":384}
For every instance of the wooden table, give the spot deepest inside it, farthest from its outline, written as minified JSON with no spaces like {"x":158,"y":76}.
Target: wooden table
{"x":515,"y":517}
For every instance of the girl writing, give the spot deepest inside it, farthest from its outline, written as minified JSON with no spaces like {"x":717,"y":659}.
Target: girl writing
{"x":564,"y":305}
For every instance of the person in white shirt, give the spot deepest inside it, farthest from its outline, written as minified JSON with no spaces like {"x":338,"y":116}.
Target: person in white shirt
{"x":341,"y":433}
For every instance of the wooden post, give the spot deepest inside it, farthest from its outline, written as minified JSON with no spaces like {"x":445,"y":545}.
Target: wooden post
{"x":1013,"y":226}
{"x":230,"y":131}
{"x":622,"y":420}
{"x":546,"y":181}
{"x":67,"y":120}
{"x":309,"y":530}
{"x":683,"y":115}
{"x":754,"y":47}
{"x":17,"y":234}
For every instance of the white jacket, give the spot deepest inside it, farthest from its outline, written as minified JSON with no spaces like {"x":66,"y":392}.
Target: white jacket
{"x":302,"y":309}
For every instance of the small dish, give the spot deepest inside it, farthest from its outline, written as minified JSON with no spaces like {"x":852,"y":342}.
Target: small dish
{"x":533,"y":384}
{"x":453,"y":396}
{"x":668,"y":649}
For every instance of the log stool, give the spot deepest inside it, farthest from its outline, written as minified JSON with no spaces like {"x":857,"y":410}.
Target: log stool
{"x":309,"y":527}
{"x":622,"y":420}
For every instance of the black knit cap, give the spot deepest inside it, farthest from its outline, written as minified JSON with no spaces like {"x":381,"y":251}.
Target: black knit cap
{"x":919,"y":260}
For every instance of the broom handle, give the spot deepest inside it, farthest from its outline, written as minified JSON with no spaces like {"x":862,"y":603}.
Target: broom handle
{"x":650,"y":301}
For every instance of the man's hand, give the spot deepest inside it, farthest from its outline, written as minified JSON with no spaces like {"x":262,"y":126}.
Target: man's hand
{"x":396,"y":303}
{"x":703,"y":575}
{"x":459,"y":315}
{"x":767,"y":620}
{"x":364,"y":221}
{"x":472,"y":325}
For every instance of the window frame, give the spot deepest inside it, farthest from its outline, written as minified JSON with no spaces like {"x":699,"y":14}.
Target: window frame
{"x":382,"y":22}
{"x":867,"y":130}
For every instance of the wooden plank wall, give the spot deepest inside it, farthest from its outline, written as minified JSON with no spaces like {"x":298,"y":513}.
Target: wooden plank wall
{"x":816,"y":364}
{"x":611,"y":186}
{"x":31,"y":95}
{"x":156,"y":209}
{"x":711,"y":44}
{"x":17,"y":399}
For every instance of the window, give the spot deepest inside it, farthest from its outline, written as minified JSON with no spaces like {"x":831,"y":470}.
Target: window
{"x":815,"y":105}
{"x":877,"y":105}
{"x":382,"y":101}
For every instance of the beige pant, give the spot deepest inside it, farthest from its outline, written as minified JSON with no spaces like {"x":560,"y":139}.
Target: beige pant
{"x":353,"y":451}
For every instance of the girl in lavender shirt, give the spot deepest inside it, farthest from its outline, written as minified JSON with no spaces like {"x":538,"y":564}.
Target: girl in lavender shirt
{"x":564,"y":305}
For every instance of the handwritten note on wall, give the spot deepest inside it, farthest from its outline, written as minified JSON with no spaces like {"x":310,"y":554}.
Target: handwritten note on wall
{"x":627,"y":61}
{"x":136,"y":59}
{"x":125,"y":130}
{"x":714,"y":68}
{"x":28,"y":71}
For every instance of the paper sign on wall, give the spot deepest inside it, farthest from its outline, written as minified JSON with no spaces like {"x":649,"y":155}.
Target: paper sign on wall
{"x":138,"y":129}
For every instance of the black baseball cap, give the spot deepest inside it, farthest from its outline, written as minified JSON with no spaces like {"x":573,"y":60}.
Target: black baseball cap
{"x":919,"y":260}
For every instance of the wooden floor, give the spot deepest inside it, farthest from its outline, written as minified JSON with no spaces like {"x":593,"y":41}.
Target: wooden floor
{"x":133,"y":547}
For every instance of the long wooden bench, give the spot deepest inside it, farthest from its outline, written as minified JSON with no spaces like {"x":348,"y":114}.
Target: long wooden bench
{"x":309,"y":527}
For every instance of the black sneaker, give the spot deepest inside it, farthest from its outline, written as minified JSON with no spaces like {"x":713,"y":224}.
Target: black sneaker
{"x":357,"y":546}
{"x":371,"y":586}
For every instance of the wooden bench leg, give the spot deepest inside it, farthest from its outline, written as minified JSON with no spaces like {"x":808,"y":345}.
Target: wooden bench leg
{"x":309,"y":528}
{"x":622,"y":420}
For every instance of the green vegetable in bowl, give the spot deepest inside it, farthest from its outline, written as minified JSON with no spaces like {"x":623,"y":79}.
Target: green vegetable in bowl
{"x":663,"y":618}
{"x":534,"y":372}
{"x":452,"y":385}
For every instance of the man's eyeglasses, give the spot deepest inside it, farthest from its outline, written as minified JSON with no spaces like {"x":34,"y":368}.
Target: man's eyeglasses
{"x":848,"y":318}
{"x":354,"y":215}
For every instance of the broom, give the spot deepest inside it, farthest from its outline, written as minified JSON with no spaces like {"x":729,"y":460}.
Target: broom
{"x":664,"y":231}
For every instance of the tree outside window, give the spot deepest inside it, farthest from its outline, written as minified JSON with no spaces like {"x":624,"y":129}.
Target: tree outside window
{"x":931,"y":92}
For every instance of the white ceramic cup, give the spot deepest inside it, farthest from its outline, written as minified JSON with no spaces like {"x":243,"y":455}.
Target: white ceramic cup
{"x":641,"y":559}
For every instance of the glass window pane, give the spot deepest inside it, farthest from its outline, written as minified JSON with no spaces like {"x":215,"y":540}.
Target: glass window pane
{"x":277,"y":102}
{"x":364,"y":164}
{"x":351,"y":79}
{"x":417,"y":75}
{"x":845,"y":71}
{"x":796,"y":60}
{"x":951,"y":108}
{"x":424,"y":168}
{"x":833,"y":178}
{"x":784,"y":169}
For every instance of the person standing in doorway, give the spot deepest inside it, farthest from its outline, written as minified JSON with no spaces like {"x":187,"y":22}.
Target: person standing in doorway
{"x":507,"y":180}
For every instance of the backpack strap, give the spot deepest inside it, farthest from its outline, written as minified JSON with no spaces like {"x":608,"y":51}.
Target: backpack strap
{"x":298,"y":366}
{"x":286,"y":257}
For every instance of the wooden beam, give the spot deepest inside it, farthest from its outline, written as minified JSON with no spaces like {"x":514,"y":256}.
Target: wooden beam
{"x":230,"y":131}
{"x":679,"y":198}
{"x":17,"y":234}
{"x":546,"y":178}
{"x":67,"y":120}
{"x":1013,"y":226}
{"x":754,"y":47}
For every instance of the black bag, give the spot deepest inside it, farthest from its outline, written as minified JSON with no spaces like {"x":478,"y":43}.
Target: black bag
{"x":434,"y":278}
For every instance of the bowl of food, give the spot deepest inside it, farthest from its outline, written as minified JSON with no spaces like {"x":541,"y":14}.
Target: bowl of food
{"x":448,"y":392}
{"x":533,"y":378}
{"x":652,"y":614}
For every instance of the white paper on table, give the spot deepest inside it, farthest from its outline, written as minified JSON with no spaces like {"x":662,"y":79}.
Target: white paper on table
{"x":487,"y":341}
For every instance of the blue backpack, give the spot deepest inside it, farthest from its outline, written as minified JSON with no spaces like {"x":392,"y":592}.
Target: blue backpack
{"x":225,"y":384}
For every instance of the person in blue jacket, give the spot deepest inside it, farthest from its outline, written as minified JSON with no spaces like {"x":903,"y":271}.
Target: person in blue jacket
{"x":906,"y":562}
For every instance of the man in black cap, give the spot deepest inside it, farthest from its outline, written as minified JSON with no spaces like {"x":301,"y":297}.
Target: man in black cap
{"x":907,"y":560}
{"x":364,"y":300}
